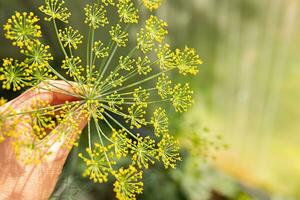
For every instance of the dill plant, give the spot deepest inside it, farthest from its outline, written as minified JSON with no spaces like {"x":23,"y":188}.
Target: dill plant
{"x":103,"y":91}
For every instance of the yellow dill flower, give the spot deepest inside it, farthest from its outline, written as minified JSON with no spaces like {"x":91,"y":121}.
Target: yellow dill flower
{"x":37,"y":55}
{"x":115,"y":80}
{"x":166,"y":57}
{"x":128,"y":183}
{"x":70,"y":37}
{"x":73,"y":67}
{"x":160,"y":122}
{"x":141,"y":96}
{"x":99,"y":50}
{"x":156,"y":28}
{"x":22,"y":29}
{"x":126,"y":63}
{"x":168,"y":151}
{"x":152,"y":4}
{"x":95,"y":16}
{"x":115,"y":102}
{"x":187,"y":61}
{"x":98,"y":166}
{"x":136,"y":116}
{"x":12,"y":74}
{"x":118,"y":36}
{"x":36,"y":75}
{"x":144,"y":152}
{"x":143,"y":65}
{"x":121,"y":143}
{"x":54,"y":9}
{"x":163,"y":86}
{"x":128,"y":13}
{"x":144,"y":41}
{"x":182,"y":97}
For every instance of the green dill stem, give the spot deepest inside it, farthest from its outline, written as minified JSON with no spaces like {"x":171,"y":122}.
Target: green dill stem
{"x":117,"y":69}
{"x":132,"y":51}
{"x":98,"y":127}
{"x":109,"y":61}
{"x":128,"y":93}
{"x":139,"y":82}
{"x":111,"y":54}
{"x":59,"y":41}
{"x":127,"y":98}
{"x":94,"y":60}
{"x":103,"y":85}
{"x":71,"y":52}
{"x":110,"y":44}
{"x":127,"y":77}
{"x":150,"y":102}
{"x":91,"y":46}
{"x":114,"y":111}
{"x":107,"y":122}
{"x":88,"y":47}
{"x":125,"y":93}
{"x":59,"y":75}
{"x":134,"y":136}
{"x":101,"y":141}
{"x":89,"y":135}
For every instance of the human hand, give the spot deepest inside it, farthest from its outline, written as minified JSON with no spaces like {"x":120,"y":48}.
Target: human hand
{"x":36,"y":180}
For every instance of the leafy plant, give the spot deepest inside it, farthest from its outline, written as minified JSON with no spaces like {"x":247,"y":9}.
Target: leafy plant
{"x":103,"y":89}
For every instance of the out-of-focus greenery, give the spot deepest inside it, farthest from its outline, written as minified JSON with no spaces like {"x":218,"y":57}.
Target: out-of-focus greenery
{"x":247,"y":90}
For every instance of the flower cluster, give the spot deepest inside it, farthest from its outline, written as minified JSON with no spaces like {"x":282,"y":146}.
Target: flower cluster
{"x":113,"y":92}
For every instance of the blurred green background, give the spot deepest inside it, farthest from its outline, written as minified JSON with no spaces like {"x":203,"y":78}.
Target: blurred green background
{"x":247,"y":92}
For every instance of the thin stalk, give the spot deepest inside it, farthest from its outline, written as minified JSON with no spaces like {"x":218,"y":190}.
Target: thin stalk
{"x":59,"y":41}
{"x":71,"y":52}
{"x":59,"y":75}
{"x":108,"y":62}
{"x":89,"y":135}
{"x":91,"y":46}
{"x":116,"y":112}
{"x":119,"y":124}
{"x":139,"y":82}
{"x":99,"y":131}
{"x":125,"y":93}
{"x":88,"y":47}
{"x":98,"y":127}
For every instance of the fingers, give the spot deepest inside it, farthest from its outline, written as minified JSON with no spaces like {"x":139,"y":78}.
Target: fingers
{"x":47,"y":93}
{"x":50,"y":92}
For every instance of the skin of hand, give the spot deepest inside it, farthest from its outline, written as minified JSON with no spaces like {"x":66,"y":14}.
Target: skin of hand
{"x":35,"y":181}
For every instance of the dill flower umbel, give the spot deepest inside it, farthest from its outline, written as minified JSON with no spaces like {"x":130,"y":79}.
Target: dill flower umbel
{"x":124,"y":94}
{"x":22,"y":29}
